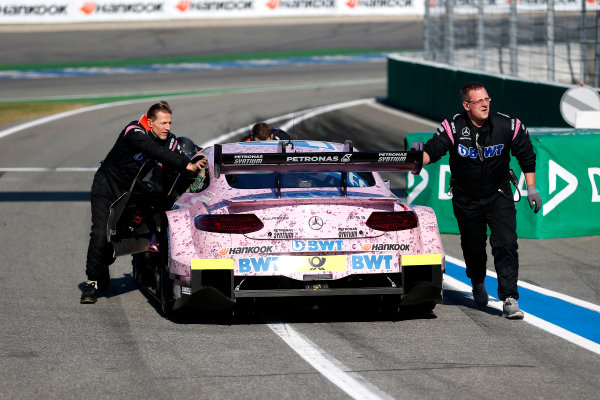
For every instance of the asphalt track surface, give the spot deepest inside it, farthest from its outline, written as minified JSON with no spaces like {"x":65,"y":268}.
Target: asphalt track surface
{"x":122,"y":347}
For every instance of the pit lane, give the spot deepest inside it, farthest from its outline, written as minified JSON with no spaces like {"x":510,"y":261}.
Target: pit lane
{"x":53,"y":347}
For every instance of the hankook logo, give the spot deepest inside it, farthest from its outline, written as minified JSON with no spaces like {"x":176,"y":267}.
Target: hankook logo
{"x":134,"y":7}
{"x":26,"y":9}
{"x":300,"y":4}
{"x":183,"y":5}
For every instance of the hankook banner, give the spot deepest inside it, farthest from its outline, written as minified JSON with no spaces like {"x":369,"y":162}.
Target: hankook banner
{"x":64,"y":11}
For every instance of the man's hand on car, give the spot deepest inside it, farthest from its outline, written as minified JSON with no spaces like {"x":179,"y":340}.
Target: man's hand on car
{"x":197,"y":166}
{"x":417,"y":146}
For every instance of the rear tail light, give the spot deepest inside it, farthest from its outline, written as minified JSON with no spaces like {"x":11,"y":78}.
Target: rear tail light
{"x":228,"y":223}
{"x":393,"y":221}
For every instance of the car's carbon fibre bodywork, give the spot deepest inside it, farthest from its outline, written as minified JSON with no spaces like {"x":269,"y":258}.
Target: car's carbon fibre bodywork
{"x":307,"y":240}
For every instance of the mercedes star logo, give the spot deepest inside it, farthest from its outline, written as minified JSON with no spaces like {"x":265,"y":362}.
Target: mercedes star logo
{"x":315,"y":223}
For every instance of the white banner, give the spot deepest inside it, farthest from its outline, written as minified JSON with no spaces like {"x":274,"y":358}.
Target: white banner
{"x":64,"y":11}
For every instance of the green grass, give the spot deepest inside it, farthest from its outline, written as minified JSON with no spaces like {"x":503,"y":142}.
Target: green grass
{"x":23,"y":111}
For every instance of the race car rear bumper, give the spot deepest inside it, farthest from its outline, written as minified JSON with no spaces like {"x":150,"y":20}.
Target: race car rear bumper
{"x":215,"y":288}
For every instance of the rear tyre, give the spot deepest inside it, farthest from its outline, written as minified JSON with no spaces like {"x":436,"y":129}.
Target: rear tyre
{"x":389,"y":307}
{"x":244,"y":311}
{"x":135,"y":270}
{"x":166,"y":292}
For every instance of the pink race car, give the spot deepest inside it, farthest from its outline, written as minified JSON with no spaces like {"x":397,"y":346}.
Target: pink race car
{"x":299,"y":218}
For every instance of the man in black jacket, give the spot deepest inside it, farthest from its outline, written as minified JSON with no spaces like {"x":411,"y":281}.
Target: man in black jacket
{"x":136,"y":151}
{"x":480,"y":144}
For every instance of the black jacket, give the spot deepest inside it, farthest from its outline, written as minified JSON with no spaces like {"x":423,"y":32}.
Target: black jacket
{"x":133,"y":147}
{"x":479,"y":157}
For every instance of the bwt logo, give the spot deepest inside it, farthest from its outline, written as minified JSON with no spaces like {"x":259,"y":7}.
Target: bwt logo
{"x":257,"y":264}
{"x":352,"y":3}
{"x":372,"y":261}
{"x":490,"y":151}
{"x":317,"y":245}
{"x":273,"y":4}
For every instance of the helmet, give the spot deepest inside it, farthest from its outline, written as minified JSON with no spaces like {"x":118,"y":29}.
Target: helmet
{"x":279,"y":134}
{"x":188,"y":147}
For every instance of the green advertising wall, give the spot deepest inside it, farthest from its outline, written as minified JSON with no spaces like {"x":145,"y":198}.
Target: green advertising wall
{"x":567,"y":178}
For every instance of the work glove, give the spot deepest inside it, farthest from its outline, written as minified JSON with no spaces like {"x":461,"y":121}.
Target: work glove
{"x":534,"y":198}
{"x":418,"y":146}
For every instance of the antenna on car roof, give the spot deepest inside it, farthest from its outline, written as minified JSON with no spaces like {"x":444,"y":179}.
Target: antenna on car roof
{"x":293,"y":135}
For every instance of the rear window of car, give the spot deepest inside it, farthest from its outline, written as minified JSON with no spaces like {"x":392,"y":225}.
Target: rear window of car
{"x":299,"y":180}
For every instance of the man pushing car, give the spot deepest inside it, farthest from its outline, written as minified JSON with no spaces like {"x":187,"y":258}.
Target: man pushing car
{"x":139,"y":147}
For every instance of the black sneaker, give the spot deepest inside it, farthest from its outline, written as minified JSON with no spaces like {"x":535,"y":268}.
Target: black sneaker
{"x":90,"y":293}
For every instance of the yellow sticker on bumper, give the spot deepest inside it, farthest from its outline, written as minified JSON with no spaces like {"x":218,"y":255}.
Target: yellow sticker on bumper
{"x":292,"y":264}
{"x":421,"y":259}
{"x":208,"y":263}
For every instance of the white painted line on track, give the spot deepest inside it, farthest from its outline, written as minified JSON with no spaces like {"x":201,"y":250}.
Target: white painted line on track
{"x":55,"y":117}
{"x":451,"y":283}
{"x":306,"y":114}
{"x":66,"y":114}
{"x":351,"y":383}
{"x":295,"y":117}
{"x":406,"y":115}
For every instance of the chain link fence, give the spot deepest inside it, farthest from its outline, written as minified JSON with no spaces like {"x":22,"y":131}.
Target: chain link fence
{"x":542,"y":40}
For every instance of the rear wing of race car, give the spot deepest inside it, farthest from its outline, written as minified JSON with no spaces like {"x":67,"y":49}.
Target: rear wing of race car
{"x":344,"y":162}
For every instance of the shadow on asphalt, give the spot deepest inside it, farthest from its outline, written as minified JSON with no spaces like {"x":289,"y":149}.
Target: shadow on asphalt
{"x":460,"y":298}
{"x":303,"y":310}
{"x":117,"y":287}
{"x":297,"y":310}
